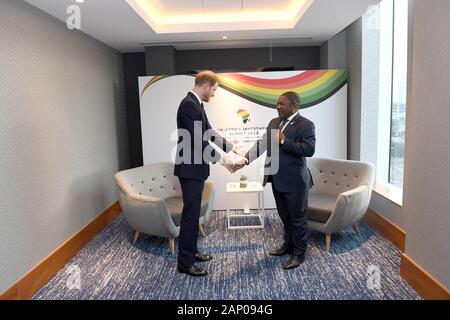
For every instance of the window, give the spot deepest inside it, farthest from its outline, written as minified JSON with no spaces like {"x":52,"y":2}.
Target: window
{"x":393,"y":45}
{"x":398,"y":98}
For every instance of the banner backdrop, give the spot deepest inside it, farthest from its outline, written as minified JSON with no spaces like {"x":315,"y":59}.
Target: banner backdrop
{"x":242,"y":107}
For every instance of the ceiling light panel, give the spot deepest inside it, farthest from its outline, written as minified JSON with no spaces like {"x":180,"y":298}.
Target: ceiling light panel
{"x":179,"y":16}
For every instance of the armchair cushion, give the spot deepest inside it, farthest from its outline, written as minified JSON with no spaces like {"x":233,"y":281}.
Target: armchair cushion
{"x":320,"y":206}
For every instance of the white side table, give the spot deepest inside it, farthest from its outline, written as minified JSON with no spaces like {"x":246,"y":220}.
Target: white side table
{"x":252,"y":187}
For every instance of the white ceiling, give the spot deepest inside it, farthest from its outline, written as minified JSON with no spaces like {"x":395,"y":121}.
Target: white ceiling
{"x":116,"y":24}
{"x":174,"y":16}
{"x":214,"y":6}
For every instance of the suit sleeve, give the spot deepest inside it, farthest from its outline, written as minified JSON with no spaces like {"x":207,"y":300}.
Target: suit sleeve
{"x":257,"y":149}
{"x":217,"y":139}
{"x":304,"y":145}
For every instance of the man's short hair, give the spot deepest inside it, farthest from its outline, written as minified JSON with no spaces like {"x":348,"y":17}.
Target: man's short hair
{"x":206,"y":77}
{"x":293,"y":97}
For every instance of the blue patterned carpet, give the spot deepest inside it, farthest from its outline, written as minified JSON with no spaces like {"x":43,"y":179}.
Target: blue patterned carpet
{"x":111,"y":267}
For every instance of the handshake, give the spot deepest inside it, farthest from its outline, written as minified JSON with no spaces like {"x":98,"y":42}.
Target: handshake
{"x":234,"y":160}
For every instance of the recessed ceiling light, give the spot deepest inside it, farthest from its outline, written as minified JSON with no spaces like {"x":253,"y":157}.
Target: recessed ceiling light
{"x":168,"y":18}
{"x":224,"y":37}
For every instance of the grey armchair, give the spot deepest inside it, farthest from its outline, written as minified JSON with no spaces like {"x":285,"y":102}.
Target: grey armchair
{"x":340,"y":195}
{"x":151,"y":201}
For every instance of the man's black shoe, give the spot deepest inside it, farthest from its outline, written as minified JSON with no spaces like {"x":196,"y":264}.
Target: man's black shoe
{"x":192,"y":270}
{"x":281,"y":251}
{"x":294,"y":262}
{"x":203,"y":257}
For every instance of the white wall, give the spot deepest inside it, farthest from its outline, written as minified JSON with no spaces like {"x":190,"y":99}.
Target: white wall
{"x":344,"y":51}
{"x":425,"y":214}
{"x":334,"y":52}
{"x":337,"y":59}
{"x":369,"y":90}
{"x":353,"y":39}
{"x":361,"y":40}
{"x":62,"y":134}
{"x":426,"y":201}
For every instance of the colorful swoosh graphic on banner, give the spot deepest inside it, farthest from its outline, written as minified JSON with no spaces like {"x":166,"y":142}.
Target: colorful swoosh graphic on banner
{"x":313,"y":86}
{"x":152,"y":81}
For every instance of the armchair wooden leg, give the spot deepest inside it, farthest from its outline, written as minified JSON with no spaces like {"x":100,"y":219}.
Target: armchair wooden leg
{"x":172,"y":246}
{"x":136,"y":236}
{"x":356,"y":228}
{"x":202,"y":231}
{"x":328,"y":241}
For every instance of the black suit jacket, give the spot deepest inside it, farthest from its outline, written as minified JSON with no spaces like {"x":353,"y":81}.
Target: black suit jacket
{"x":293,"y":175}
{"x":192,"y":118}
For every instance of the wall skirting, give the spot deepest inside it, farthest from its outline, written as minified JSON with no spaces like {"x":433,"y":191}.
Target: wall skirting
{"x":389,"y":230}
{"x":38,"y":276}
{"x":417,"y":277}
{"x":423,"y":282}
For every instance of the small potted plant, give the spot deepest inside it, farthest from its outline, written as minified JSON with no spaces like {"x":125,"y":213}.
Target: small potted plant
{"x":243,"y":181}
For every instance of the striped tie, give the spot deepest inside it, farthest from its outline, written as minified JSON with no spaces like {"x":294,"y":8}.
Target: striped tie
{"x":282,"y":124}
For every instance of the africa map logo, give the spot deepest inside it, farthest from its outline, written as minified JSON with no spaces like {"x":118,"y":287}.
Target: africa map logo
{"x":244,"y":114}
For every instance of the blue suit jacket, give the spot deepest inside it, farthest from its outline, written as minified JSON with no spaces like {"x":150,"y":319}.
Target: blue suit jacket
{"x":191,"y":115}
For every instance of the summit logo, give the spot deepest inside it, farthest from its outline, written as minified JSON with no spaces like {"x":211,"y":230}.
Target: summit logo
{"x":244,"y":115}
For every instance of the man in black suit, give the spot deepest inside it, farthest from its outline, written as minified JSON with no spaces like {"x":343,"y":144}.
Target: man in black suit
{"x":289,"y":139}
{"x":192,"y":167}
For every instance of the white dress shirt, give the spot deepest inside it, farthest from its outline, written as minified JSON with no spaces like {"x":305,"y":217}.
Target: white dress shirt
{"x":287,"y":123}
{"x":196,"y":95}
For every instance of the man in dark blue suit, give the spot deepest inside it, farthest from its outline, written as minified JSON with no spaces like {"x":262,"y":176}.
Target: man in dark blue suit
{"x":192,"y":167}
{"x":289,"y":139}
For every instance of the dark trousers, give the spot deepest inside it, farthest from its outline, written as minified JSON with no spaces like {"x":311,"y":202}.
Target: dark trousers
{"x":294,"y":220}
{"x":192,"y":198}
